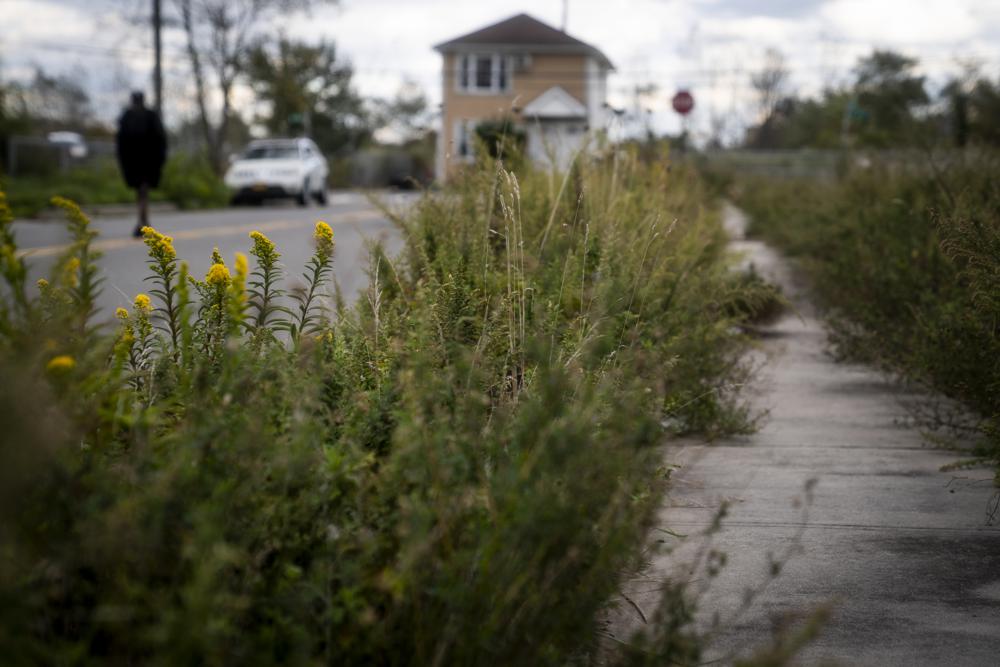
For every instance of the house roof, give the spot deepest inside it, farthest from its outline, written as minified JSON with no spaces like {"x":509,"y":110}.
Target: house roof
{"x":555,"y":103}
{"x":524,"y":32}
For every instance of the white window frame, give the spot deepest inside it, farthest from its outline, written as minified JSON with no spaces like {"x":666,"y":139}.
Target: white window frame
{"x":467,"y":61}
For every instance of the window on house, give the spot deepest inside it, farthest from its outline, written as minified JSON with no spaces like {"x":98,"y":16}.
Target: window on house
{"x":463,"y":73}
{"x":465,"y":139}
{"x":502,"y":73}
{"x":483,"y":73}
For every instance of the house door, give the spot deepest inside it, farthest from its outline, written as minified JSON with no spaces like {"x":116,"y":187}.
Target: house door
{"x":555,"y":142}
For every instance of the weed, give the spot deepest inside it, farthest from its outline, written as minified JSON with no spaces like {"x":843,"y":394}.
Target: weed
{"x":456,"y":470}
{"x":907,"y":262}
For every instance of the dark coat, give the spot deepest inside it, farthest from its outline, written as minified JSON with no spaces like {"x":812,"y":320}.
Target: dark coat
{"x":141,"y":145}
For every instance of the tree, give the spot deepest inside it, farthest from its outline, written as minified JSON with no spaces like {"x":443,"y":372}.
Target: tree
{"x":769,"y":83}
{"x":407,"y":116}
{"x":56,"y":100}
{"x":888,"y":94}
{"x":984,"y":112}
{"x":219,"y":34}
{"x":13,"y":119}
{"x":307,"y":91}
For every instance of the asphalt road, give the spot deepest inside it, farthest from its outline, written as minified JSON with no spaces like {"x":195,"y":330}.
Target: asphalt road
{"x":354,"y":219}
{"x":904,"y":552}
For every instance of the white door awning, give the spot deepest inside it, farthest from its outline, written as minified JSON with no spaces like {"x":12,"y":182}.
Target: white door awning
{"x":555,"y":103}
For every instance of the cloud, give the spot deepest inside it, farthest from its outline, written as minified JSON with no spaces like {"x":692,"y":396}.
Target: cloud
{"x":901,"y":23}
{"x":774,"y":8}
{"x":709,"y":46}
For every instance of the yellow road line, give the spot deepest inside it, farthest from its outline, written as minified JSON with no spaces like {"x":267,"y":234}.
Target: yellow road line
{"x":206,"y":232}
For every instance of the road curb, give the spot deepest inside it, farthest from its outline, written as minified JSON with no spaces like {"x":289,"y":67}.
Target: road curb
{"x":53,"y":214}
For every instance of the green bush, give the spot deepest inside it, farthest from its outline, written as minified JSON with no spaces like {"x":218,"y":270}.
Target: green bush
{"x":189,"y":182}
{"x":908,"y":262}
{"x":456,"y":470}
{"x":99,"y":183}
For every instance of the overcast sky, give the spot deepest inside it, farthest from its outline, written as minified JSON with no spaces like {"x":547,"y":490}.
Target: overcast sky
{"x":707,"y":46}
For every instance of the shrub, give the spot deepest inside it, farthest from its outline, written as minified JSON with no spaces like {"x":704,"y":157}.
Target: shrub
{"x":456,"y":470}
{"x":908,"y":263}
{"x":99,"y":183}
{"x":189,"y":182}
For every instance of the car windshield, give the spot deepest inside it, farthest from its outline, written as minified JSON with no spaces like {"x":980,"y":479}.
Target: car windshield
{"x":271,"y":152}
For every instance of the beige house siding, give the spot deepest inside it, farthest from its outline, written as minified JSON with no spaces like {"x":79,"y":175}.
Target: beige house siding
{"x":546,"y":70}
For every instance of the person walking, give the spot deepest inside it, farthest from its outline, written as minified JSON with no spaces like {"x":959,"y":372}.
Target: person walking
{"x":141,"y":145}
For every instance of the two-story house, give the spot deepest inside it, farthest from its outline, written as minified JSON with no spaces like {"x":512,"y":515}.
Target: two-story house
{"x":552,"y":84}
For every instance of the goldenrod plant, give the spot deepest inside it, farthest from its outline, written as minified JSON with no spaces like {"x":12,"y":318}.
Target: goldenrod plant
{"x":456,"y":469}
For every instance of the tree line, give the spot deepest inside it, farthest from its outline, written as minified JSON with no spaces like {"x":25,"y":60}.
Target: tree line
{"x":297,"y":87}
{"x":886,"y":104}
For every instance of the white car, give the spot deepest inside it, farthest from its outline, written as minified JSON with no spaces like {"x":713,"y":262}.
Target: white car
{"x":73,"y":142}
{"x":279,"y":168}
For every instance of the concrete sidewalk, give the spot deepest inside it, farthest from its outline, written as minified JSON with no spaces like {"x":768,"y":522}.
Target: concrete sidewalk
{"x":901,"y":550}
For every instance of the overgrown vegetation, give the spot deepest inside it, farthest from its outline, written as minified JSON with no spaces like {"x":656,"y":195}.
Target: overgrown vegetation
{"x":907,"y":258}
{"x":455,"y":470}
{"x":188,"y":182}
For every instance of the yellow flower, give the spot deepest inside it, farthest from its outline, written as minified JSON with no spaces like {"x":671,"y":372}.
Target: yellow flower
{"x":218,"y":275}
{"x":160,"y":246}
{"x":142,"y":304}
{"x":324,"y":241}
{"x":70,"y":270}
{"x":42,"y":283}
{"x":240,"y":279}
{"x":242,"y":265}
{"x":263,"y":240}
{"x":73,"y":213}
{"x":60,"y":364}
{"x":121,"y":314}
{"x":323,"y":232}
{"x":263,"y":248}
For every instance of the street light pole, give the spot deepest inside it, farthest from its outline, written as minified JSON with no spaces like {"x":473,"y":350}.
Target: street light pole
{"x":158,"y":56}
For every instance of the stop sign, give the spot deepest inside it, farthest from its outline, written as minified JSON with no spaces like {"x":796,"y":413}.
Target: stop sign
{"x":683,"y":102}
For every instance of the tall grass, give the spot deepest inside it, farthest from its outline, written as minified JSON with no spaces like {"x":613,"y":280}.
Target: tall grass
{"x":907,"y":260}
{"x":455,"y":470}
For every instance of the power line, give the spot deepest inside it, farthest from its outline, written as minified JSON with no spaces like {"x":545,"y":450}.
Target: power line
{"x":548,"y":75}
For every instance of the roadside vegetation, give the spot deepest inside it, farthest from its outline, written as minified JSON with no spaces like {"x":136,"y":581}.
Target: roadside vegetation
{"x":187,"y":182}
{"x":456,"y":469}
{"x":906,"y":257}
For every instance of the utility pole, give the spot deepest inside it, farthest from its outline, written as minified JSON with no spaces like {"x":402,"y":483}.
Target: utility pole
{"x":158,"y":58}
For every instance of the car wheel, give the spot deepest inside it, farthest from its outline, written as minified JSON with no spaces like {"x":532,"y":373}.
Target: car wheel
{"x":303,"y":197}
{"x":320,"y":196}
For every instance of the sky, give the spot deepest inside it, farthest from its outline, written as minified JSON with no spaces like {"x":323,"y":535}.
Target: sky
{"x":709,"y":47}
